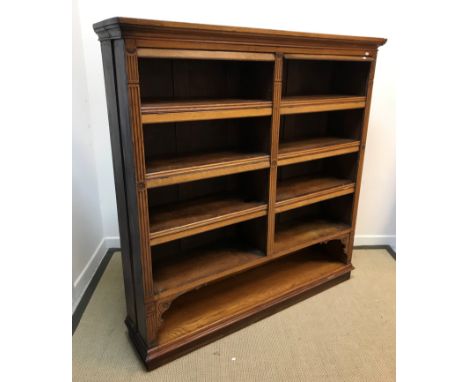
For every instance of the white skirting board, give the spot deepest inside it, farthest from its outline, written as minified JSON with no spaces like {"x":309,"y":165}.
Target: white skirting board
{"x":86,"y":275}
{"x":375,"y":240}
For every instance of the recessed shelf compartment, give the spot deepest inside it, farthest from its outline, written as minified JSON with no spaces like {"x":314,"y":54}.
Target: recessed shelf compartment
{"x":186,"y":209}
{"x":178,"y":89}
{"x":187,"y":151}
{"x":298,"y":228}
{"x":189,"y":263}
{"x":310,"y":182}
{"x":323,"y":85}
{"x":311,"y":136}
{"x":234,"y":298}
{"x":325,"y":78}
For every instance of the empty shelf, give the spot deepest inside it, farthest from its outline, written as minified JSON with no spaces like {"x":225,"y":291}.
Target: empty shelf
{"x":309,"y":104}
{"x":298,"y":234}
{"x":179,"y":273}
{"x":178,"y":220}
{"x":157,"y":112}
{"x":314,"y":148}
{"x":235,"y":298}
{"x":298,"y":192}
{"x":166,"y":171}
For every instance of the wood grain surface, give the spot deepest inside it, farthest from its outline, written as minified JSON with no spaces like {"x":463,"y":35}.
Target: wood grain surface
{"x":233,"y":149}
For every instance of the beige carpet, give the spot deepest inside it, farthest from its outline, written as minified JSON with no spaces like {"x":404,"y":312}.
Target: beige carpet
{"x":346,"y":333}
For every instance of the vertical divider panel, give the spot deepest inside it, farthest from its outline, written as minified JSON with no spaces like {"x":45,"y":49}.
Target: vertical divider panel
{"x":274,"y":142}
{"x":365,"y":124}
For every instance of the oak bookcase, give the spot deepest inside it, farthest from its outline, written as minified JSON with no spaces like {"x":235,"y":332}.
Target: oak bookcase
{"x":238,"y":156}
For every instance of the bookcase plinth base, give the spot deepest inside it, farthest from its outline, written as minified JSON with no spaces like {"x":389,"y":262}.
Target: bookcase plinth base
{"x":155,"y":357}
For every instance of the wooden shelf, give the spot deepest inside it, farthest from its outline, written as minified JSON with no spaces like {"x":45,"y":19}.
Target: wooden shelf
{"x":235,"y":298}
{"x":314,"y":148}
{"x":189,"y":270}
{"x":184,"y":219}
{"x":298,"y":192}
{"x":297,"y":234}
{"x":172,"y":170}
{"x":198,"y":110}
{"x":309,"y":104}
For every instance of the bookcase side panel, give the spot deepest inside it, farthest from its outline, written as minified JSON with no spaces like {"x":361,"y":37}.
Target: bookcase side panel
{"x":119,"y":177}
{"x":365,"y":124}
{"x":131,"y":137}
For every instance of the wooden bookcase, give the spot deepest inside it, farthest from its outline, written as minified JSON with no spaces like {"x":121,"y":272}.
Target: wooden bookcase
{"x":237,"y":156}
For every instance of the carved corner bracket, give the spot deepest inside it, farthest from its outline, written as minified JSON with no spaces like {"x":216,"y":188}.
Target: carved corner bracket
{"x":339,"y":248}
{"x":154,"y":317}
{"x":161,"y":308}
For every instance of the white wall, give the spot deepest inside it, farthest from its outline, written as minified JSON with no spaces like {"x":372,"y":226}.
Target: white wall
{"x":89,"y":243}
{"x":376,"y":217}
{"x":376,"y":222}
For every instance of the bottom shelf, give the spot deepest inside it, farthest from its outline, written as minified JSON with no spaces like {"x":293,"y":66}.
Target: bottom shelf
{"x":193,"y":268}
{"x":204,"y":310}
{"x":295,"y":235}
